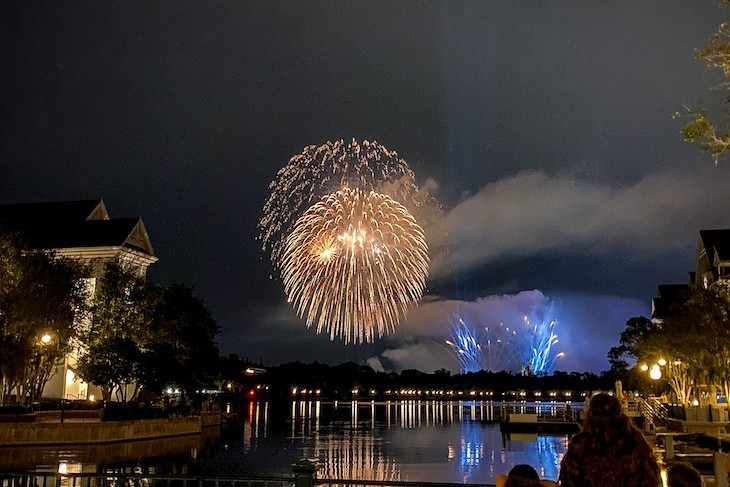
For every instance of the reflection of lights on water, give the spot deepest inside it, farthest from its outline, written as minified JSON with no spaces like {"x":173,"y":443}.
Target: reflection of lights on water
{"x":471,"y":453}
{"x":548,"y":457}
{"x":345,"y":454}
{"x":256,"y":425}
{"x":472,"y":447}
{"x":476,"y":453}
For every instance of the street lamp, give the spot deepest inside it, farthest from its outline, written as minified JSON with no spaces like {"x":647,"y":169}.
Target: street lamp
{"x":655,"y":372}
{"x":655,"y":369}
{"x":46,"y":338}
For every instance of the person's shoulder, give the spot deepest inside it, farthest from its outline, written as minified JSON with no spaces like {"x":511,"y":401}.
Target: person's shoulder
{"x":548,"y":483}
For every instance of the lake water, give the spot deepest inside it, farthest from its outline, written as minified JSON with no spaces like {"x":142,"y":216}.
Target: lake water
{"x":433,"y":441}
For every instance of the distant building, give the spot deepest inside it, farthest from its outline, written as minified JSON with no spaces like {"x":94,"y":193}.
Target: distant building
{"x":713,"y":258}
{"x":713,"y":268}
{"x":670,"y":296}
{"x":80,"y":230}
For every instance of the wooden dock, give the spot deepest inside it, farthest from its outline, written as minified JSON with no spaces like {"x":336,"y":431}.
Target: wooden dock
{"x":534,"y":423}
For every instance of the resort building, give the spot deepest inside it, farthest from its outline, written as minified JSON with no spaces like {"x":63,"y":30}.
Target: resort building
{"x":713,"y":258}
{"x":80,"y":230}
{"x":713,"y":268}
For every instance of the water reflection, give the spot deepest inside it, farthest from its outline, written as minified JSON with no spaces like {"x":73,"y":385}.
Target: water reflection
{"x":255,"y":424}
{"x":418,"y":440}
{"x":168,"y":455}
{"x":413,"y":440}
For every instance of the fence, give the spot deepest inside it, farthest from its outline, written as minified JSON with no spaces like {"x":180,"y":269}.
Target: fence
{"x":299,"y":479}
{"x":36,"y":479}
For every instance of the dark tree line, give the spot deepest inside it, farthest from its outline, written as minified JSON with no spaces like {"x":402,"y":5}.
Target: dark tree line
{"x":339,"y":381}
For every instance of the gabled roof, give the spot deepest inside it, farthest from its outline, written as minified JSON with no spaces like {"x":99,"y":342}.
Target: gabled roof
{"x":670,"y":297}
{"x":73,"y":224}
{"x":53,"y":213}
{"x":716,"y":244}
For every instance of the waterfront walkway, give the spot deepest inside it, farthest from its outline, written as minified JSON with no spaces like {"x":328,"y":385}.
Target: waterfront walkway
{"x":56,"y":429}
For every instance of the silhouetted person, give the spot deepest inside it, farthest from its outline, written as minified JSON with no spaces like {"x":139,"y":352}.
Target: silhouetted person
{"x":609,"y":452}
{"x":522,"y":475}
{"x":683,"y":475}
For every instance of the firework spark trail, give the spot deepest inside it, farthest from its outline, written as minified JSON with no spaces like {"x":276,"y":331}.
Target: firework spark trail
{"x":539,"y":356}
{"x":318,"y":171}
{"x":499,"y":350}
{"x":504,"y":348}
{"x":464,"y":347}
{"x":494,"y":353}
{"x":354,"y":263}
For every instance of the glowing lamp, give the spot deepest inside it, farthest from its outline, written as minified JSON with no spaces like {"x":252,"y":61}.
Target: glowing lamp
{"x":655,"y":373}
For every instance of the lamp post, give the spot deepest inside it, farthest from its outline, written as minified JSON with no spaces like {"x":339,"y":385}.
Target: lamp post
{"x":45,"y":340}
{"x":654,"y":370}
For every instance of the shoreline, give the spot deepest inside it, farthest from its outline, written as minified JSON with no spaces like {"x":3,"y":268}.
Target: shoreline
{"x":102,"y":433}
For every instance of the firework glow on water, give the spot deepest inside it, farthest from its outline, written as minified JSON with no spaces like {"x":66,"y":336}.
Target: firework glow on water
{"x":342,"y":228}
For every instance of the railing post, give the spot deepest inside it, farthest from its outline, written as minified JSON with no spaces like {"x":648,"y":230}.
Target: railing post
{"x":305,"y":471}
{"x":721,"y":467}
{"x":669,"y":447}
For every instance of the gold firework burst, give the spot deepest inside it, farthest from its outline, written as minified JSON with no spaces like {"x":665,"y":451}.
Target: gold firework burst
{"x":354,"y":263}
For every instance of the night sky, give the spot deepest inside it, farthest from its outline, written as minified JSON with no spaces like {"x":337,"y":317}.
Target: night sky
{"x":545,"y":129}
